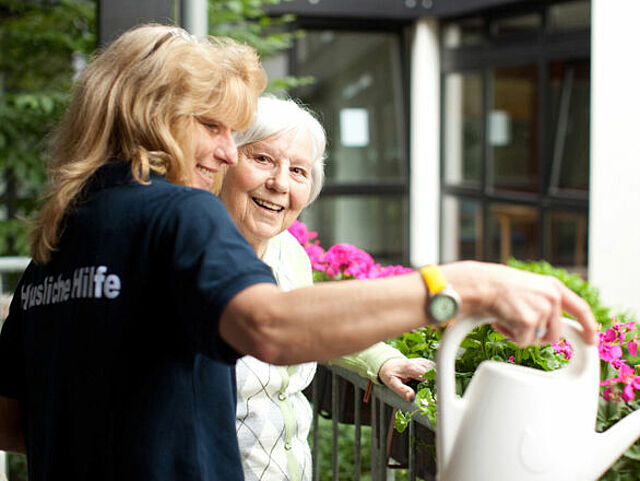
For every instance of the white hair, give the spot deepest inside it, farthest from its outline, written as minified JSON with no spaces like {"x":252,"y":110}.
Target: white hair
{"x":276,"y":116}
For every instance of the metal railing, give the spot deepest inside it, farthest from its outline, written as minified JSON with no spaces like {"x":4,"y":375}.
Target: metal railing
{"x":415,"y":446}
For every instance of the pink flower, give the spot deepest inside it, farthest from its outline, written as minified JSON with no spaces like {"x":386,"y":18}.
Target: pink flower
{"x":349,"y":260}
{"x":607,"y":394}
{"x":512,"y":359}
{"x":563,"y":347}
{"x":609,"y":352}
{"x":632,"y":347}
{"x":378,"y":271}
{"x":316,"y":256}
{"x":617,"y":363}
{"x":608,"y":336}
{"x":300,"y":232}
{"x":628,"y":393}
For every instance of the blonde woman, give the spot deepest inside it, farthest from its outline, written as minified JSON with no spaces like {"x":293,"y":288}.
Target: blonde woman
{"x":117,"y":358}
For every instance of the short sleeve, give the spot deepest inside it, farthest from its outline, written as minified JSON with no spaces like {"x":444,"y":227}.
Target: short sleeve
{"x":210,"y":263}
{"x":12,"y":356}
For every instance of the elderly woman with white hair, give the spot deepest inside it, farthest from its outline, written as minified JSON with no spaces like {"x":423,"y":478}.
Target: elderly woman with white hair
{"x":279,"y":172}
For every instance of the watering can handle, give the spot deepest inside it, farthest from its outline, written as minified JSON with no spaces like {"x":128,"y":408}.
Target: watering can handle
{"x":446,"y":382}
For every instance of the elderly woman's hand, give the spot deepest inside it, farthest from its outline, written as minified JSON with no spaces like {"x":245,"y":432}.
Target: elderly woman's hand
{"x":397,"y":371}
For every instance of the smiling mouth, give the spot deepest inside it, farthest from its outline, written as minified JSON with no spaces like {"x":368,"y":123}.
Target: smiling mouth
{"x":208,"y":172}
{"x":267,"y":205}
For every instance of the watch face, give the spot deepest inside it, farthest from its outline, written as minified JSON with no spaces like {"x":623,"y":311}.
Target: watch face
{"x":443,"y":307}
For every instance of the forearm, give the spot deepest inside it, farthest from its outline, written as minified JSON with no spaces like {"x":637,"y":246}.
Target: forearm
{"x":325,"y":321}
{"x":11,"y":431}
{"x":335,"y":318}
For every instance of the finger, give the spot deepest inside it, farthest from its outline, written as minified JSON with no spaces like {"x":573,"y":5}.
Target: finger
{"x":419,"y":368}
{"x":553,"y":325}
{"x":402,"y":390}
{"x":504,"y":330}
{"x":578,"y":308}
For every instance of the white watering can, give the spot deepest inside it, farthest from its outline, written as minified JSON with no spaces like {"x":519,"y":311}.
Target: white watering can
{"x":515,"y":423}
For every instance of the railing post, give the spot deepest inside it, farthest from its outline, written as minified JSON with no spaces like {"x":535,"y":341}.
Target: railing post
{"x":357,"y":419}
{"x":411,"y":455}
{"x":315,"y":400}
{"x":334,"y":425}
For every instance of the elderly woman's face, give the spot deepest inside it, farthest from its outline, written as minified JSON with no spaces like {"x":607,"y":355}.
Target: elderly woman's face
{"x":268,"y":188}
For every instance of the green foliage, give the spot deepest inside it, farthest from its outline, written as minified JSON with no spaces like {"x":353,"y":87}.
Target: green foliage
{"x":346,"y":455}
{"x":16,"y":467}
{"x":38,"y":42}
{"x":484,"y":343}
{"x":247,"y":22}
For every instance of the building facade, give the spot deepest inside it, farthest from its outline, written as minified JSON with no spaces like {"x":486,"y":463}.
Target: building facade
{"x":477,"y":130}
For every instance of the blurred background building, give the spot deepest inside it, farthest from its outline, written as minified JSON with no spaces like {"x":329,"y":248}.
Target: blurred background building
{"x":458,"y":129}
{"x":478,"y":129}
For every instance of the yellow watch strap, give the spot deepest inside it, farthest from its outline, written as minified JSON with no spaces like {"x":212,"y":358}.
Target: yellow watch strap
{"x":433,"y":278}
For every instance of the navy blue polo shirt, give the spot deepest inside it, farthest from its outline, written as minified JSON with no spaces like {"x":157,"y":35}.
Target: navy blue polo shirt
{"x":112,"y":347}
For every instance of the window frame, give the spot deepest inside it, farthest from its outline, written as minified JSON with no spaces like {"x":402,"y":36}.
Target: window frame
{"x":539,"y":49}
{"x":379,"y":188}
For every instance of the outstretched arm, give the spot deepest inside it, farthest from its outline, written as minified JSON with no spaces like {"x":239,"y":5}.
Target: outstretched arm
{"x":334,"y":318}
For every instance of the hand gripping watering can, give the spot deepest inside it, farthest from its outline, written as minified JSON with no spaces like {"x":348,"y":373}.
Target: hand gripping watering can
{"x":515,"y":423}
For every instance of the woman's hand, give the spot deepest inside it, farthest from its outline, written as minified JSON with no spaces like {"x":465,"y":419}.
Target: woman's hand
{"x":528,"y":308}
{"x":397,"y":371}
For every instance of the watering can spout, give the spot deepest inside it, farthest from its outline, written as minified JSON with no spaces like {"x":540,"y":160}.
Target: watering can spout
{"x":612,"y":443}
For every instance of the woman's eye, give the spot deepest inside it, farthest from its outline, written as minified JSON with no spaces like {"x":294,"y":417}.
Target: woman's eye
{"x":263,"y":159}
{"x":213,"y":127}
{"x":299,"y":171}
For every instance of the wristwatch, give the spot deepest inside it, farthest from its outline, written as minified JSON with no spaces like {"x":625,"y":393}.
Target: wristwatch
{"x":444,"y":302}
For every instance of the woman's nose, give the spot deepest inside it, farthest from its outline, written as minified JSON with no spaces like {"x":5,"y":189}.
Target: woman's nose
{"x":226,"y":151}
{"x":279,"y":180}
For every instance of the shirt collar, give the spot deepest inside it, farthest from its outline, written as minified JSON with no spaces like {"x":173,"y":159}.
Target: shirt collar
{"x":115,"y":173}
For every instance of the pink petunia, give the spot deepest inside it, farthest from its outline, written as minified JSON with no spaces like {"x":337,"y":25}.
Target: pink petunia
{"x":609,"y":336}
{"x":609,"y":352}
{"x":632,"y":347}
{"x":300,"y":232}
{"x":607,"y":394}
{"x":563,"y":347}
{"x":347,"y":259}
{"x":316,"y":256}
{"x":628,"y":393}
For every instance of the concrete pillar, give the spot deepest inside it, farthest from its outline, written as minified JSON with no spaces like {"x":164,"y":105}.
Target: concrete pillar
{"x":425,"y":144}
{"x":614,"y":216}
{"x":194,"y":16}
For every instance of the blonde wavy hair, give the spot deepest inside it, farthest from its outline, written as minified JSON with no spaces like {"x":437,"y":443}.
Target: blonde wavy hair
{"x":137,"y":101}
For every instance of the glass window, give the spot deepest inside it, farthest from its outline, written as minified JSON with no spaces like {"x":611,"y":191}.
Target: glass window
{"x":566,"y":240}
{"x":513,"y":232}
{"x":463,"y":128}
{"x":358,"y":94}
{"x":373,"y":223}
{"x":461,"y":229}
{"x":464,"y":33}
{"x":570,"y":87}
{"x":528,"y":23}
{"x":569,"y":16}
{"x":359,"y":97}
{"x":512,"y":125}
{"x":505,"y":193}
